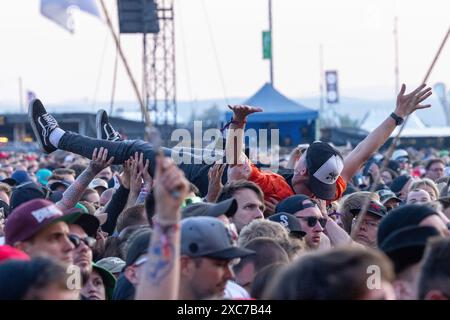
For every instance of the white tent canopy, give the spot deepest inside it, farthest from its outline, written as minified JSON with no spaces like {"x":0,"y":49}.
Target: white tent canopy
{"x":414,"y":126}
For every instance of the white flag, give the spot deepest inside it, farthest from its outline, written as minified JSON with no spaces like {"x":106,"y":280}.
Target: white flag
{"x":59,"y":11}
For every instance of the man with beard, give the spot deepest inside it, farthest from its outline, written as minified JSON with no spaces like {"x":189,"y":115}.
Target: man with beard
{"x":82,"y":234}
{"x":207,"y":256}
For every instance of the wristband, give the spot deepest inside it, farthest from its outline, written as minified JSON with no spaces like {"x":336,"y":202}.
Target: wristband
{"x":165,"y":223}
{"x":398,"y":120}
{"x":232,"y":121}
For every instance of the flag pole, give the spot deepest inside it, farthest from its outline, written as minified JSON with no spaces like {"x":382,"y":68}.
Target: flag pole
{"x":20,"y":95}
{"x":271,"y":42}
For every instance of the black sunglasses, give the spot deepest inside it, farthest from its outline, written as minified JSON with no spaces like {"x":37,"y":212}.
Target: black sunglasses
{"x":312,"y":221}
{"x":88,"y":241}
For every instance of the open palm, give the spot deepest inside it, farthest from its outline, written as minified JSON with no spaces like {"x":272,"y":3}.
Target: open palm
{"x":408,"y":103}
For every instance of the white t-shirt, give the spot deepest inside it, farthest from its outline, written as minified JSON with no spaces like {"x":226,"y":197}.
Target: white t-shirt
{"x":235,"y":291}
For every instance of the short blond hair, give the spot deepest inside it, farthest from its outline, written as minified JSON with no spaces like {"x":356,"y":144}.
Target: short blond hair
{"x":425,"y":182}
{"x":261,"y":228}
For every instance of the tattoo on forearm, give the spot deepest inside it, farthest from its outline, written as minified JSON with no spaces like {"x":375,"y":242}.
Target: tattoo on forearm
{"x":161,"y":255}
{"x":73,"y":194}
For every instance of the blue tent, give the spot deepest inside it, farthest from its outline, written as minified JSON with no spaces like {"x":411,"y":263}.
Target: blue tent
{"x":297,"y":124}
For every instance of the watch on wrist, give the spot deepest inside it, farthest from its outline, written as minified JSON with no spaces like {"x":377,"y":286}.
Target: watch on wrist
{"x":398,"y":120}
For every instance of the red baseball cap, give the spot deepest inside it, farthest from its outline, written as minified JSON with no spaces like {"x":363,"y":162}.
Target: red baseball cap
{"x":11,"y":253}
{"x":31,"y":217}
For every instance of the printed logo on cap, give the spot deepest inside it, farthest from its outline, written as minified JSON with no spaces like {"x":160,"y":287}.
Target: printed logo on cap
{"x":329,"y":172}
{"x":46,"y":212}
{"x":284,"y":220}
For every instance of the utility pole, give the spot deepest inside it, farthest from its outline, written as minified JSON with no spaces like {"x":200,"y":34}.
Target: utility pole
{"x":396,"y":69}
{"x":271,"y":42}
{"x":20,"y":95}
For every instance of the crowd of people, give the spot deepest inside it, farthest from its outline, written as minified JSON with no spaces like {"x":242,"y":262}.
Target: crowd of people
{"x":111,"y":219}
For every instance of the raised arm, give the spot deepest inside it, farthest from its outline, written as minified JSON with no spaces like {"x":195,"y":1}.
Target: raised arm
{"x":117,"y":203}
{"x":73,"y":194}
{"x":234,"y":147}
{"x":135,"y":182}
{"x":406,"y":104}
{"x":161,"y":277}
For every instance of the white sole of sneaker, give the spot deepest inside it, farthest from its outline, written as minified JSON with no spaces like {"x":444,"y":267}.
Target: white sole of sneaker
{"x":98,"y":124}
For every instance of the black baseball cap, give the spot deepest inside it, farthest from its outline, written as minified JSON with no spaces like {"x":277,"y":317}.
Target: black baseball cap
{"x":324,"y":165}
{"x":55,"y":184}
{"x":86,"y":221}
{"x":406,"y":246}
{"x":401,"y":217}
{"x":398,"y":183}
{"x":375,"y":208}
{"x":290,"y":222}
{"x":24,"y":193}
{"x":294,"y":204}
{"x":226,"y":207}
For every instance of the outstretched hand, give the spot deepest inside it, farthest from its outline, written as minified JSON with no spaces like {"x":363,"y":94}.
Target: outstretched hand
{"x":239,"y":171}
{"x":99,"y":160}
{"x":135,"y":175}
{"x":124,"y":177}
{"x":408,"y":103}
{"x":240,"y":112}
{"x":270,"y":204}
{"x":215,"y":185}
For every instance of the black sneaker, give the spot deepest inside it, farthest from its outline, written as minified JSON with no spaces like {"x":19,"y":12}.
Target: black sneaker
{"x":42,"y":124}
{"x":105,"y":131}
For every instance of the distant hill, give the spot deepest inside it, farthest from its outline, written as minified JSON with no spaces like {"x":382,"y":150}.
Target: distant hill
{"x":354,"y":107}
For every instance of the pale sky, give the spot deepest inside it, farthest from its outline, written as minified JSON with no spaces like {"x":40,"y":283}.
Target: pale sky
{"x":357,"y":36}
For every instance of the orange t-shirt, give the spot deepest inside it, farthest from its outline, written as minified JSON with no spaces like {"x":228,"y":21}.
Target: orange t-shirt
{"x":272,"y":185}
{"x":275,"y":186}
{"x":341,"y":185}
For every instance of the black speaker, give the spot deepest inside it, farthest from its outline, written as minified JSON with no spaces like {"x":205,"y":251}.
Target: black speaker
{"x":138,"y":16}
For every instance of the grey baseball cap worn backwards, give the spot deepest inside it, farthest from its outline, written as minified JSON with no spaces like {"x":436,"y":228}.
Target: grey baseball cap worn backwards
{"x":208,"y":237}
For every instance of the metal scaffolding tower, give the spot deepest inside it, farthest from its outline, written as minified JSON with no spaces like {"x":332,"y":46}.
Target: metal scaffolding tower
{"x":159,"y":83}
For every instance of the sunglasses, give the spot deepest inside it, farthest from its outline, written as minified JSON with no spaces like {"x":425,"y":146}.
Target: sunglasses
{"x":312,"y":221}
{"x":88,"y":241}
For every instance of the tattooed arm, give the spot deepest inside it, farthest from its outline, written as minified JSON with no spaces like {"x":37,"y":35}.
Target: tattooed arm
{"x":73,"y":194}
{"x":160,"y":278}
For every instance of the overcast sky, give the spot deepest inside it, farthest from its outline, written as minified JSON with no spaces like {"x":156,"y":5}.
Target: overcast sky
{"x":357,"y":36}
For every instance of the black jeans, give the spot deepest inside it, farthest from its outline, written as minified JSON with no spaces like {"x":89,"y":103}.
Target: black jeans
{"x":197,"y":173}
